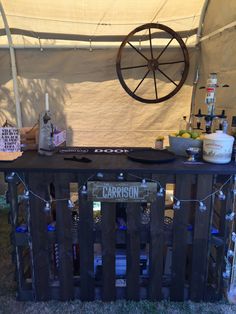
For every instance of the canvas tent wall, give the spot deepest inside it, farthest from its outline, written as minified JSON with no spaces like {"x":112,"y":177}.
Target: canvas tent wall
{"x":52,"y":42}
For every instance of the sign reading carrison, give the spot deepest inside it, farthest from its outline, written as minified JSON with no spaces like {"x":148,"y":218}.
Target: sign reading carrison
{"x":121,"y":191}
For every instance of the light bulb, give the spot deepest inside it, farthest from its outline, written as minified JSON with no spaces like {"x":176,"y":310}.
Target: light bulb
{"x":143,"y":183}
{"x":221,"y":195}
{"x":47,"y":207}
{"x":26,"y":195}
{"x":202,"y":207}
{"x":120,"y":176}
{"x":10,"y":177}
{"x":70,"y":204}
{"x":233,"y":237}
{"x":160,"y":192}
{"x":100,"y":175}
{"x":84,"y":190}
{"x":230,"y":253}
{"x":226,"y":274}
{"x":230,"y":216}
{"x":176,"y":205}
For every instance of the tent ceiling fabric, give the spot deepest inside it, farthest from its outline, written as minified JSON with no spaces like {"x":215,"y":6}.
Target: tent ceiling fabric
{"x":100,"y":18}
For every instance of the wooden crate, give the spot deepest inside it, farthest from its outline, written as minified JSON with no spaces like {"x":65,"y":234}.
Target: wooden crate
{"x":60,"y":264}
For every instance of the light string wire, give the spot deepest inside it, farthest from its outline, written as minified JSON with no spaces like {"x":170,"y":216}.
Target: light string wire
{"x":186,"y":200}
{"x":51,"y":200}
{"x":200,"y":201}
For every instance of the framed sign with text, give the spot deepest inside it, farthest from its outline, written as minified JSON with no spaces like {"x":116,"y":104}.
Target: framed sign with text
{"x":9,"y":139}
{"x":121,"y":191}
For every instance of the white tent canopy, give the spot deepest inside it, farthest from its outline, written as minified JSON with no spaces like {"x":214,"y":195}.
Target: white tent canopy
{"x":68,"y":49}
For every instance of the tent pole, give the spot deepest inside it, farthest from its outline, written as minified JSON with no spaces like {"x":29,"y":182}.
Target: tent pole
{"x":13,"y":68}
{"x":199,"y":34}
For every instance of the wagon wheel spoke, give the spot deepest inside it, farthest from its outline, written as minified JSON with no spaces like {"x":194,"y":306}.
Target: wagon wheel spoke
{"x":155,"y":84}
{"x":171,"y":62}
{"x":167,"y":77}
{"x":141,"y":81}
{"x":152,"y":63}
{"x":141,"y":54}
{"x":150,"y":40}
{"x":164,"y":49}
{"x":134,"y":67}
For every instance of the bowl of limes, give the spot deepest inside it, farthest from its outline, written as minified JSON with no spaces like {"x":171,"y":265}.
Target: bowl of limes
{"x":184,"y":139}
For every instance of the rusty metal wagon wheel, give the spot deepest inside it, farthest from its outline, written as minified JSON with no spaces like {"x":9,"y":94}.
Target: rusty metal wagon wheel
{"x":152,"y":63}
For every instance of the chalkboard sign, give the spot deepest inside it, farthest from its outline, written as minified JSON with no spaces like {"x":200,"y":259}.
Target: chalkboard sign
{"x":121,"y":191}
{"x":9,"y":139}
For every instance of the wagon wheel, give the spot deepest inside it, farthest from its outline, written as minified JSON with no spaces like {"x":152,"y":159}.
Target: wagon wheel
{"x":152,"y":62}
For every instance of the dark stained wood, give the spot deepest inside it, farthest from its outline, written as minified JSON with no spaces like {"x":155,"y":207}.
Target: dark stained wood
{"x":201,"y":239}
{"x":108,"y":251}
{"x":156,"y":244}
{"x":13,"y":198}
{"x":64,"y":237}
{"x":180,"y":224}
{"x":31,"y":161}
{"x":86,"y":245}
{"x":133,"y":251}
{"x":38,"y":230}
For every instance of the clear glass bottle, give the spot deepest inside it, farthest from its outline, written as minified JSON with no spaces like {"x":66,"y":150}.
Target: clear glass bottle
{"x":183,"y":124}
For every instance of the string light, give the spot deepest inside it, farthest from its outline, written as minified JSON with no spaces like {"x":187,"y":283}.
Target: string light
{"x":230,"y":216}
{"x":10,"y":177}
{"x":100,"y":175}
{"x":26,"y":194}
{"x":70,"y":204}
{"x":176,"y":205}
{"x":143,"y":183}
{"x":47,"y":207}
{"x":160,"y":193}
{"x":120,"y":177}
{"x":233,"y":238}
{"x":221,"y":195}
{"x":230,"y":253}
{"x":202,"y":206}
{"x":84,"y":190}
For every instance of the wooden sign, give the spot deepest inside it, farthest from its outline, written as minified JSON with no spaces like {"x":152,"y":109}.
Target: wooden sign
{"x":9,"y":139}
{"x":121,"y":191}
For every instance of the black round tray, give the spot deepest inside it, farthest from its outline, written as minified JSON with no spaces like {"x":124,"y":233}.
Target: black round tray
{"x":151,"y":155}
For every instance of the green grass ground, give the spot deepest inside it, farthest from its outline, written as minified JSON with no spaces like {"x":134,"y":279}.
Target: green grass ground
{"x":8,"y":303}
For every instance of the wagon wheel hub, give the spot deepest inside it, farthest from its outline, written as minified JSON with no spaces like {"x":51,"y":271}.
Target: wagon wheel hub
{"x":153,"y":65}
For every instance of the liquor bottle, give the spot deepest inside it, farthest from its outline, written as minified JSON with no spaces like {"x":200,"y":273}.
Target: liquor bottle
{"x":183,"y":124}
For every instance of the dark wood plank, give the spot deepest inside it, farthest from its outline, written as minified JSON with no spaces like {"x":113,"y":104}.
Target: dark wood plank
{"x":180,"y":224}
{"x":64,"y":237}
{"x":133,"y":251}
{"x":156,"y":244}
{"x":108,"y":251}
{"x":201,"y":239}
{"x":38,"y":232}
{"x":86,"y":245}
{"x":13,"y":199}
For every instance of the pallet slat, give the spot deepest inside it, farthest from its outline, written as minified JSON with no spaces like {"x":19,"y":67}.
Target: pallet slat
{"x":133,"y":251}
{"x":38,"y":229}
{"x":156,"y":245}
{"x":64,"y":237}
{"x":201,"y":239}
{"x":180,"y":224}
{"x":108,"y":251}
{"x":86,"y":246}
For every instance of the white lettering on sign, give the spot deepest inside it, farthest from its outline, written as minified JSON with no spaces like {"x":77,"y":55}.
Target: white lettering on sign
{"x":9,"y":140}
{"x":110,"y":150}
{"x":120,"y":192}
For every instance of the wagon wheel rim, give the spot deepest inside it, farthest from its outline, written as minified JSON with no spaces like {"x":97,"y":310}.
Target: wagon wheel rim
{"x":153,"y":64}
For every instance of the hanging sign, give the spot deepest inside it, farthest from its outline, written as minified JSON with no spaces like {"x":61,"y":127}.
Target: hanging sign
{"x":9,"y":139}
{"x":121,"y":191}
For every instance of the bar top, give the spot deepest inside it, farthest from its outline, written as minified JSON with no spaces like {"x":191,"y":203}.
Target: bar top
{"x":30,"y":161}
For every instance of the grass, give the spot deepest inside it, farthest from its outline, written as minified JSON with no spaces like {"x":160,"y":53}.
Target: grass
{"x":8,"y":303}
